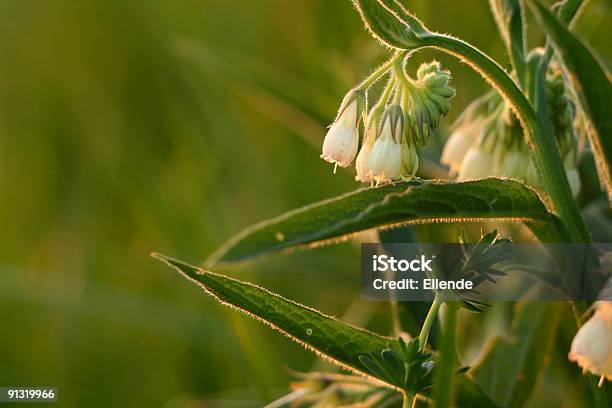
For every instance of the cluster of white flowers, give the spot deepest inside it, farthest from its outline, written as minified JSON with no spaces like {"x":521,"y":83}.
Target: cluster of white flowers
{"x":592,"y":346}
{"x":487,"y":141}
{"x":406,"y":113}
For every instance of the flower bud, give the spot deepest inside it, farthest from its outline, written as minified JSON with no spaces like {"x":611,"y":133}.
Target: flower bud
{"x":592,"y":345}
{"x":429,"y":100}
{"x":385,"y":158}
{"x":410,"y":160}
{"x":561,"y":111}
{"x":342,"y":138}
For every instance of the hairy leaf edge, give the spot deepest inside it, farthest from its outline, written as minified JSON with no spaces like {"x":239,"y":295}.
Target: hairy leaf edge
{"x":216,"y":258}
{"x":179,"y":265}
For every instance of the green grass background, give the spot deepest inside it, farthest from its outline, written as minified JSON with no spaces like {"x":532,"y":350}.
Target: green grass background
{"x":128,"y":126}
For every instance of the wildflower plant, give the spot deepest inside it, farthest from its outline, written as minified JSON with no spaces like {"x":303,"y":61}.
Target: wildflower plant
{"x":514,"y":154}
{"x":405,"y":115}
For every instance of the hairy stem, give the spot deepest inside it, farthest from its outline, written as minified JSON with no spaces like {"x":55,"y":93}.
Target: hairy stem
{"x":508,"y":25}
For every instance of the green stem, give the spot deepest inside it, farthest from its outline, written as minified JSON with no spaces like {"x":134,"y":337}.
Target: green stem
{"x":543,"y":148}
{"x":398,"y":71}
{"x":428,"y":323}
{"x":409,"y":400}
{"x":507,"y":25}
{"x":379,"y":107}
{"x":444,"y":390}
{"x":384,"y":97}
{"x":397,"y":95}
{"x":567,"y":12}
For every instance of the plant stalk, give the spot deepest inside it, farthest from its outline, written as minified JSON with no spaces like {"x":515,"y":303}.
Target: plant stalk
{"x":542,"y":147}
{"x":444,"y":390}
{"x":428,"y":323}
{"x":409,"y":400}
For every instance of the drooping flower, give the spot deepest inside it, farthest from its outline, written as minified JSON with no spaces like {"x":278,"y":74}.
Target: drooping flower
{"x":514,"y":164}
{"x":479,"y":161}
{"x":342,"y":139}
{"x":476,"y":164}
{"x":592,"y":345}
{"x":361,"y":165}
{"x":405,"y":114}
{"x":458,"y":144}
{"x":385,"y":158}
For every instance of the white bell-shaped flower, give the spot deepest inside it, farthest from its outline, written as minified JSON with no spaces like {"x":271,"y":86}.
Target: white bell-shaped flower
{"x":477,"y":164}
{"x":361,"y":164}
{"x":515,"y":164}
{"x":458,"y":143}
{"x":342,"y":139}
{"x":385,"y":158}
{"x":592,"y":345}
{"x":498,"y":157}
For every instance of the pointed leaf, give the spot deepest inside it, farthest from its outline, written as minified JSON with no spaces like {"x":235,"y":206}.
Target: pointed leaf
{"x":388,"y":206}
{"x":389,"y":22}
{"x":325,"y":335}
{"x":342,"y":344}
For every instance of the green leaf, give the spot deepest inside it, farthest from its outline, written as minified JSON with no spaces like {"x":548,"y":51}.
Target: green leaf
{"x":387,"y":206}
{"x":342,"y":344}
{"x":389,"y":22}
{"x":593,"y":88}
{"x":511,"y":365}
{"x":328,"y":337}
{"x":508,"y":15}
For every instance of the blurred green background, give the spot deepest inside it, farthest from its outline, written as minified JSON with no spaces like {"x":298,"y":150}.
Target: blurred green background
{"x":130,"y":126}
